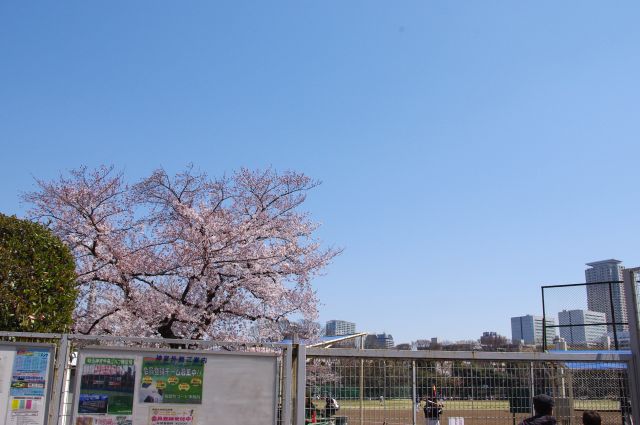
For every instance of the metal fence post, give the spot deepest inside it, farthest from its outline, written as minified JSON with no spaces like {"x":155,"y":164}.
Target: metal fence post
{"x":60,"y":365}
{"x":532,"y":386}
{"x":301,"y":379}
{"x":613,"y":317}
{"x":362,"y":391}
{"x":384,"y":391}
{"x":413,"y":390}
{"x":634,"y":338}
{"x":287,"y":378}
{"x":544,"y":324}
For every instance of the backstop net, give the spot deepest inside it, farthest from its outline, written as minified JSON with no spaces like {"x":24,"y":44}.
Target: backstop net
{"x":585,"y":316}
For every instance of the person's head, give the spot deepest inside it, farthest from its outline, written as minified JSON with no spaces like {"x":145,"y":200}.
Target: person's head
{"x":543,"y":404}
{"x":591,"y":417}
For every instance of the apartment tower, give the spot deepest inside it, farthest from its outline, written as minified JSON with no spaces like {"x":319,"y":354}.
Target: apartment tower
{"x":606,"y":296}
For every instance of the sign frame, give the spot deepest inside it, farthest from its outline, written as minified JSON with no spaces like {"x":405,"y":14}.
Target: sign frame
{"x":11,"y":346}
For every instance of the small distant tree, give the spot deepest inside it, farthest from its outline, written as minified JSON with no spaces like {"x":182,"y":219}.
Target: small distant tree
{"x":37,"y":278}
{"x":186,"y":256}
{"x":491,"y":341}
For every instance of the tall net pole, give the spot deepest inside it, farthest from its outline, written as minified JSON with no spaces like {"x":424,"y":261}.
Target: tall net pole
{"x":633,"y":314}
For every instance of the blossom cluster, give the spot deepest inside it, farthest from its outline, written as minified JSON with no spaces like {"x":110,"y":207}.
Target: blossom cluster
{"x":186,"y":256}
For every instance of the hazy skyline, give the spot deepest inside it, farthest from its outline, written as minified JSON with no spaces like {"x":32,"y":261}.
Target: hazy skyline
{"x":469,"y":152}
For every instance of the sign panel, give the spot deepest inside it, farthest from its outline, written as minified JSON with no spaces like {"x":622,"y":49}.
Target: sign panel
{"x":25,"y":411}
{"x":24,"y":372}
{"x":174,"y":387}
{"x":172,"y":379}
{"x":29,"y":374}
{"x":106,"y":391}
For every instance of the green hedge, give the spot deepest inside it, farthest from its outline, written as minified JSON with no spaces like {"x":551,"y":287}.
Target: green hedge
{"x":37,"y":278}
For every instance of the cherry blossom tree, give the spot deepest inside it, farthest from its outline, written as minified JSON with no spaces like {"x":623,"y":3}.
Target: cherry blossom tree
{"x":186,"y":256}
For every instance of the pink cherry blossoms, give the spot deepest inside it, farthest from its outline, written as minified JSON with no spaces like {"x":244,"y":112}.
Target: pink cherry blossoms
{"x":186,"y":256}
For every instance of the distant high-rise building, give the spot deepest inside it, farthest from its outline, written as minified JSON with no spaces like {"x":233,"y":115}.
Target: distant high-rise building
{"x":603,"y":297}
{"x":589,"y":335}
{"x":383,"y":340}
{"x":340,"y":327}
{"x":529,"y":330}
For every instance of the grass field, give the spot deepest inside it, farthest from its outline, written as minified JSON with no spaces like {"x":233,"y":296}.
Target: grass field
{"x":604,"y":405}
{"x":118,"y":402}
{"x":480,"y":412}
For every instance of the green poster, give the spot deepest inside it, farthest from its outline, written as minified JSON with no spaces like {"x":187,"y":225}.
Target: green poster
{"x":172,"y":379}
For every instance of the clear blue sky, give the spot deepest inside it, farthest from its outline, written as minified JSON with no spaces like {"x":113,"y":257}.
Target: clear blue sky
{"x":470,"y":150}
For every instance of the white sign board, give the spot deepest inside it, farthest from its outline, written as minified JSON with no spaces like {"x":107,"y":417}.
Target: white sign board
{"x":24,"y":384}
{"x":122,"y":387}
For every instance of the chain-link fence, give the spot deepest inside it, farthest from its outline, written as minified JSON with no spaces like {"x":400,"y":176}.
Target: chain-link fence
{"x":585,"y":316}
{"x":468,"y":390}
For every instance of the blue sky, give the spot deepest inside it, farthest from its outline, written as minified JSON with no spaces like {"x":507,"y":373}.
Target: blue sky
{"x":469,"y":151}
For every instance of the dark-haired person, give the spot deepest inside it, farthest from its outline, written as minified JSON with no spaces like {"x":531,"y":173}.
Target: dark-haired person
{"x":591,"y":417}
{"x":432,"y":411}
{"x":331,"y":407}
{"x":543,"y":407}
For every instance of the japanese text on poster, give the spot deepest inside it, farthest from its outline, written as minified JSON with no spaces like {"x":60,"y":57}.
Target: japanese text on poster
{"x":29,"y":374}
{"x":103,"y":420}
{"x":161,"y":416}
{"x":172,"y":379}
{"x":25,"y":411}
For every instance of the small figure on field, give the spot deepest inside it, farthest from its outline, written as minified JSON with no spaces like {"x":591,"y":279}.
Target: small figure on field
{"x":543,"y":407}
{"x":331,"y":407}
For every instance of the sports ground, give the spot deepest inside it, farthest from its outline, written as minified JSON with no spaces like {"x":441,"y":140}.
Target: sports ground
{"x":482,"y":412}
